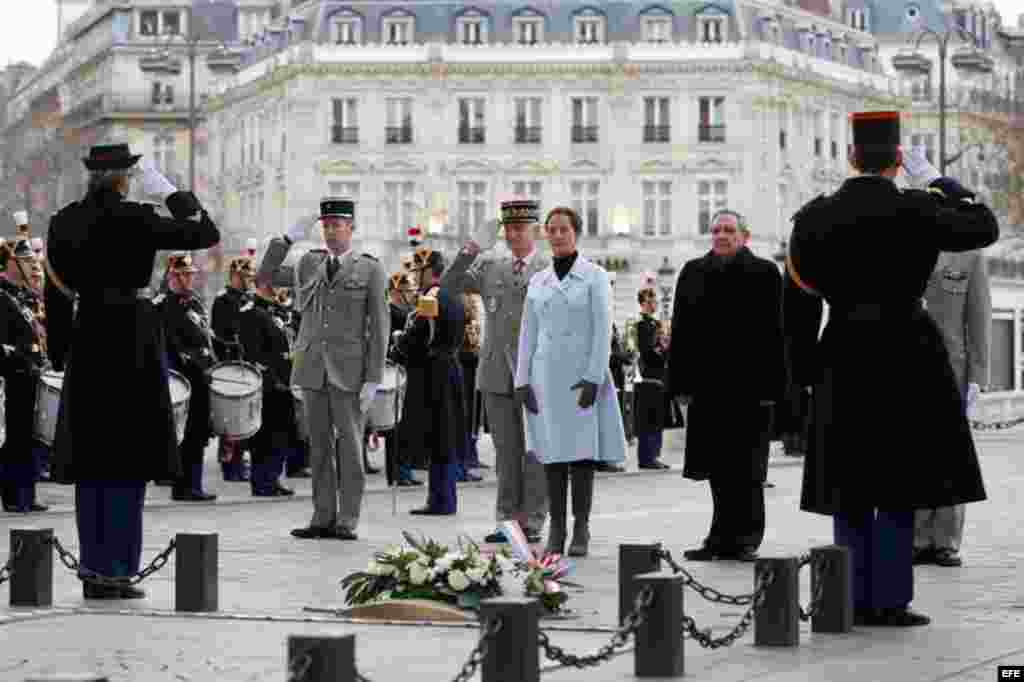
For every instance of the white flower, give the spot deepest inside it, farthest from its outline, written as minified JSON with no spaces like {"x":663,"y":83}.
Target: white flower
{"x":373,"y":568}
{"x":445,"y":562}
{"x":478,"y":574}
{"x":386,"y":569}
{"x":458,"y":580}
{"x":418,"y":573}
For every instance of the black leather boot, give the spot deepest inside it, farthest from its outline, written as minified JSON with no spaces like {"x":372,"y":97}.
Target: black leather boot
{"x":582,"y":500}
{"x":558,"y":492}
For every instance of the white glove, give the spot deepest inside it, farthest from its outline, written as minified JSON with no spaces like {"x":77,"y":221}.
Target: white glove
{"x":300,"y":230}
{"x":154,"y":183}
{"x":973,"y":391}
{"x":920,"y":171}
{"x":366,"y":395}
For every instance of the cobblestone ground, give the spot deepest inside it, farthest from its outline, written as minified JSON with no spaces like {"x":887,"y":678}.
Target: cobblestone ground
{"x":268,"y":580}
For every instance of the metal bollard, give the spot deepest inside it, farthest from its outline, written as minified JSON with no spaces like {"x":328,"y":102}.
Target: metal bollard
{"x":322,"y":659}
{"x":836,"y":611}
{"x":512,"y":654}
{"x":195,"y":578}
{"x":777,"y":622}
{"x":634,"y":560}
{"x":32,"y":569}
{"x":659,"y":642}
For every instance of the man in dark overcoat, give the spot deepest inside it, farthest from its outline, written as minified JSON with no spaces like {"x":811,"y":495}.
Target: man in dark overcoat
{"x":22,"y":360}
{"x":726,"y":361}
{"x":190,"y":351}
{"x":432,"y":343}
{"x":107,"y":336}
{"x":868,"y":250}
{"x":225,"y":314}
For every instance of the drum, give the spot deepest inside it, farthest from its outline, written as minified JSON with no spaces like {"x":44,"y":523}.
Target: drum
{"x":300,"y":413}
{"x":3,"y":413}
{"x":48,"y":390}
{"x":236,"y":400}
{"x":387,"y":404}
{"x":181,"y":393}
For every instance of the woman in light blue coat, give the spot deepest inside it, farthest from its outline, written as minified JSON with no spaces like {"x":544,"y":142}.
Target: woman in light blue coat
{"x":563,"y":379}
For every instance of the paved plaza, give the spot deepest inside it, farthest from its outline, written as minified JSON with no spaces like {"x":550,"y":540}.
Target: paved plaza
{"x":270,"y":581}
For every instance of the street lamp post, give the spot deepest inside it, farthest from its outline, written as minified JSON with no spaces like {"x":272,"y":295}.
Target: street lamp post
{"x":665,"y":275}
{"x":969,"y":60}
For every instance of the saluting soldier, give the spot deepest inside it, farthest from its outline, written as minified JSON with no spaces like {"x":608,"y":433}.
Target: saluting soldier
{"x":114,"y":342}
{"x":190,"y":349}
{"x":22,"y":360}
{"x":225,"y":319}
{"x":959,"y":300}
{"x":502,"y":281}
{"x":431,"y":344}
{"x":877,"y":329}
{"x":338,"y":359}
{"x":265,"y":343}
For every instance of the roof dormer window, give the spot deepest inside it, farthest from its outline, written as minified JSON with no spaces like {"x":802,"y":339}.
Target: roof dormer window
{"x":398,"y":30}
{"x":347,"y":28}
{"x":711,"y":29}
{"x":657,"y":29}
{"x":472,"y":28}
{"x":529,"y":29}
{"x":589,"y":27}
{"x":857,"y":18}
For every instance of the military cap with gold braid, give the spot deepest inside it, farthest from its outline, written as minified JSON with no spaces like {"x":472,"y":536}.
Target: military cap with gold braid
{"x":876,"y":129}
{"x":20,"y":249}
{"x":520,"y":211}
{"x":242,"y":265}
{"x":181,"y":262}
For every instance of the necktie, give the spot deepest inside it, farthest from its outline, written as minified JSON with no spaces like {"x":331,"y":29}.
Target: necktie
{"x":519,"y":266}
{"x":332,"y":267}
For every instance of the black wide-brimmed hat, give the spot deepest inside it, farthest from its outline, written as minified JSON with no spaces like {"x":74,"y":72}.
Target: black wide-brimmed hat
{"x":110,"y":157}
{"x":876,"y":128}
{"x":342,"y":208}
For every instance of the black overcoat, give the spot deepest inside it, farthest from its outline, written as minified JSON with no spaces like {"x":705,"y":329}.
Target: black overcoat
{"x":727,"y":356}
{"x":433,"y":419}
{"x":115,"y":418}
{"x":21,"y":361}
{"x":190,"y":352}
{"x":792,"y":416}
{"x":888,"y":428}
{"x":225,"y":320}
{"x":265,"y":343}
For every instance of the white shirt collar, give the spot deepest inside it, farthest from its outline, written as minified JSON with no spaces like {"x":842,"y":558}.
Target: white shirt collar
{"x":341,"y":256}
{"x":527,"y":259}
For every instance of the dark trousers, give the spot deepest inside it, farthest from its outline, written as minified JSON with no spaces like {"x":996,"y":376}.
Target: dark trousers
{"x":881,"y":548}
{"x":191,"y":450}
{"x":648,"y":446}
{"x":395,"y":469}
{"x":232,"y":463}
{"x":441,"y":495}
{"x":298,"y":455}
{"x":737,"y":521}
{"x":269,"y":449}
{"x":18,"y":484}
{"x":109,"y":517}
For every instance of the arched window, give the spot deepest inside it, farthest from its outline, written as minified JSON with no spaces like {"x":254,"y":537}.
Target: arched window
{"x":398,"y":27}
{"x":528,"y":26}
{"x":346,"y":27}
{"x":471,"y":26}
{"x":656,"y":24}
{"x":589,"y":26}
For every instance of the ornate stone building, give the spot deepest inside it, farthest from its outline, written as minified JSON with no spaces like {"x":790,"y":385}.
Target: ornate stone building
{"x":646,"y":117}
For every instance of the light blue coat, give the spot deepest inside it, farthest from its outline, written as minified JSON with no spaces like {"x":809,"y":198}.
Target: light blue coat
{"x":565,"y":337}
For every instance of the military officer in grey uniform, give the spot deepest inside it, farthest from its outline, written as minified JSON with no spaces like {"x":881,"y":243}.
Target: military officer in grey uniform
{"x":338,"y":358}
{"x":959,"y":300}
{"x":502,"y":281}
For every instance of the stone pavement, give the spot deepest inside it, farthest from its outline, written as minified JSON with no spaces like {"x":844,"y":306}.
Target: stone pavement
{"x":268,"y":579}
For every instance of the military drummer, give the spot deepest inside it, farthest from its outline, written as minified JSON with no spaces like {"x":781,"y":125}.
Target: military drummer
{"x":338,"y":358}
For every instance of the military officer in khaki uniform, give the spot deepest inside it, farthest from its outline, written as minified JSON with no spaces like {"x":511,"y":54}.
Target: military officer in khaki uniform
{"x":338,"y":358}
{"x":502,"y":283}
{"x":959,"y":300}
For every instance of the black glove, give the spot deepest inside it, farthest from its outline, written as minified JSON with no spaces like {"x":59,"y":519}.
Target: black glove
{"x":588,"y":396}
{"x":525,"y":396}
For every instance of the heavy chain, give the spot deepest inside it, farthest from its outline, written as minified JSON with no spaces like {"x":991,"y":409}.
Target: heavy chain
{"x":818,"y":568}
{"x":8,"y":568}
{"x":709,"y":593}
{"x":997,"y":425}
{"x":476,"y":656}
{"x":632,"y":623}
{"x":71,"y":562}
{"x":704,"y":638}
{"x":299,"y":667}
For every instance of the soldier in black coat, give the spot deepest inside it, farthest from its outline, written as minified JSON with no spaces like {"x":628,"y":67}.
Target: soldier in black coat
{"x":400,"y":291}
{"x":114,"y":344}
{"x":265,"y":342}
{"x":190,"y":349}
{"x":726,"y":361}
{"x":434,"y":407}
{"x":225,"y":316}
{"x":652,"y":406}
{"x":22,"y":360}
{"x":869,"y":250}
